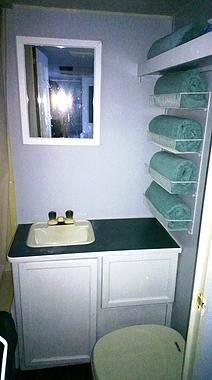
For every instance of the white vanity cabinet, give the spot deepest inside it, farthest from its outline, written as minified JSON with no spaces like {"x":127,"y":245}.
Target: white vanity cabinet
{"x":65,"y":303}
{"x":137,"y":287}
{"x":56,"y":311}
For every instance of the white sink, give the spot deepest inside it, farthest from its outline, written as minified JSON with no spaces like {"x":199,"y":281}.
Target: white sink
{"x":42,"y":235}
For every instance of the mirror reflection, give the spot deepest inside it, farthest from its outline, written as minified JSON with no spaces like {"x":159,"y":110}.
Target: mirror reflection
{"x":60,"y":90}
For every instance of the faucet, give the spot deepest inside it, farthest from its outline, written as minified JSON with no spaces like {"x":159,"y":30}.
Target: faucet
{"x":69,"y":217}
{"x":54,"y":220}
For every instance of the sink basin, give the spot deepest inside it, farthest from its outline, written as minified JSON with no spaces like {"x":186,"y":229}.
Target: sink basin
{"x":42,"y":235}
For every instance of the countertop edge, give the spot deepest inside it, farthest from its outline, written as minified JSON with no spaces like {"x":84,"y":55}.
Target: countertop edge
{"x":92,"y":255}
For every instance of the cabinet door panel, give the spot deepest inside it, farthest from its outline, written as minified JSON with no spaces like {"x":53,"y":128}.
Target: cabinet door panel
{"x":58,"y":311}
{"x":114,"y":318}
{"x":138,"y":279}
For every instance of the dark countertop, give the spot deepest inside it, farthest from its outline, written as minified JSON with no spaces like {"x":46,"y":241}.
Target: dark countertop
{"x":110,"y":235}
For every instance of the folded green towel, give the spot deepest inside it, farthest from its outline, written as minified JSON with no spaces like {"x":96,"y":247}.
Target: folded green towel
{"x":178,"y":128}
{"x":169,"y":206}
{"x":174,"y":168}
{"x":180,"y":36}
{"x":184,"y":81}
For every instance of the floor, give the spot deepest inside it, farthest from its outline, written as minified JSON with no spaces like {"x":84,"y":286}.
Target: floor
{"x":76,"y":372}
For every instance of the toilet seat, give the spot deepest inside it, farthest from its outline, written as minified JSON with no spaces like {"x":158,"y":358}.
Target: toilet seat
{"x":141,"y":352}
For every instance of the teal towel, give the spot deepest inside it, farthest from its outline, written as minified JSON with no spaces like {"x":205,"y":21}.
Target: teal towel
{"x":175,"y":168}
{"x":184,"y":81}
{"x":172,"y":40}
{"x":175,"y":127}
{"x":168,"y":205}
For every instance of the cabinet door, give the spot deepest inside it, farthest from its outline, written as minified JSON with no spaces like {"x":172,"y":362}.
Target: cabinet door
{"x":58,"y":307}
{"x":113,"y":318}
{"x":136,"y":279}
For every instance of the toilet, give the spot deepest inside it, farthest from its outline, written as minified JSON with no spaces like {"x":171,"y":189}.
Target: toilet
{"x":141,"y":352}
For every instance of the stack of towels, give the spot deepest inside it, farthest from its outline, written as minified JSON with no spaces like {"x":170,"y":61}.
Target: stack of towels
{"x":170,"y":206}
{"x":188,"y":81}
{"x":178,"y":128}
{"x":178,"y":133}
{"x":179,"y":37}
{"x":176,"y":170}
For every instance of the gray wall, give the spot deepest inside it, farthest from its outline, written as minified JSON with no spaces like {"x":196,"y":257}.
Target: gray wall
{"x":96,"y":182}
{"x":189,"y":242}
{"x":194,"y":10}
{"x":198,"y":10}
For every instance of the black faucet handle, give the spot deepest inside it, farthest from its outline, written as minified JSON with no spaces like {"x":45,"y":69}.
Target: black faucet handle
{"x":69,"y":214}
{"x":52,"y":215}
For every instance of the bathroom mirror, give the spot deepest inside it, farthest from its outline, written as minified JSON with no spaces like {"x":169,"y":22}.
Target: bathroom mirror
{"x":59,"y":89}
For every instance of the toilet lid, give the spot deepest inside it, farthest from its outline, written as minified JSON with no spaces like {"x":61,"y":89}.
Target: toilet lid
{"x":143,"y":352}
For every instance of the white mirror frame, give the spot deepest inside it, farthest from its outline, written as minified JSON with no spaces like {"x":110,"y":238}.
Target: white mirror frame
{"x":21,"y":41}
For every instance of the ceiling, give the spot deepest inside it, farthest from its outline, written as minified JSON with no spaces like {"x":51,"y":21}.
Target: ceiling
{"x":152,"y":7}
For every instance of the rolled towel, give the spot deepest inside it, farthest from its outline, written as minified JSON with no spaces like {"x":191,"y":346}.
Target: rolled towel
{"x":178,"y":128}
{"x":184,"y":81}
{"x":169,"y":206}
{"x":172,"y":40}
{"x":175,"y":169}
